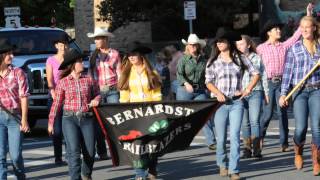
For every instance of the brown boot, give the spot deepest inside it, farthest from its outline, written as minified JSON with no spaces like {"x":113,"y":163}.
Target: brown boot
{"x":315,"y":159}
{"x":298,"y":159}
{"x":223,"y":172}
{"x":256,"y":147}
{"x":247,"y":148}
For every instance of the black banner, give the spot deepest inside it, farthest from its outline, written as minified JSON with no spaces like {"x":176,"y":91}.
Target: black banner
{"x":137,"y":133}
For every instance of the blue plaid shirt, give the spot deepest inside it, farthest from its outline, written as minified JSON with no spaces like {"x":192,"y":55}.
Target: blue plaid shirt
{"x":227,"y":77}
{"x":298,"y":63}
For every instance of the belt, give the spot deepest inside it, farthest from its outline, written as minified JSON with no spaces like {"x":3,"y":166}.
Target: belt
{"x":314,"y":86}
{"x":275,"y":79}
{"x":78,"y":114}
{"x":197,"y":86}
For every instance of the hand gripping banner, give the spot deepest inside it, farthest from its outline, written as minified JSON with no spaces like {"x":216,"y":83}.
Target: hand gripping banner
{"x":138,"y":133}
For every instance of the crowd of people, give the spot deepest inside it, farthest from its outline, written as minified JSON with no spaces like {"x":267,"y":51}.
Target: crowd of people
{"x":249,"y":81}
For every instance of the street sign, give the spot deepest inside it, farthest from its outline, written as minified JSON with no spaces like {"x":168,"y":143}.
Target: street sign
{"x":11,"y":11}
{"x":189,"y":10}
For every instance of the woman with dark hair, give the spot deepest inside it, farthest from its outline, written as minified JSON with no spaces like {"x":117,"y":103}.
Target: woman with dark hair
{"x":53,"y":77}
{"x":77,"y":93}
{"x":13,"y":102}
{"x":140,"y":83}
{"x":253,"y":102}
{"x":224,"y":73}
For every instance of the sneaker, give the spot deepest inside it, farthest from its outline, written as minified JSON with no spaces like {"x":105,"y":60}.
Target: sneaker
{"x":285,"y":148}
{"x":212,"y":147}
{"x":223,"y":172}
{"x":235,"y":176}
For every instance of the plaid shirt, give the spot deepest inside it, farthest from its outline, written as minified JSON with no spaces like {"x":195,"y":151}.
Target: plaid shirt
{"x":108,"y":70}
{"x":74,"y":95}
{"x":227,"y":77}
{"x":255,"y":59}
{"x":298,"y":64}
{"x":273,"y":55}
{"x":13,"y":86}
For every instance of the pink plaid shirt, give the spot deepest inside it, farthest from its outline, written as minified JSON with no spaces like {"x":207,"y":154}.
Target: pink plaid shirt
{"x":74,"y":95}
{"x":109,"y":69}
{"x":13,"y":86}
{"x":273,"y":55}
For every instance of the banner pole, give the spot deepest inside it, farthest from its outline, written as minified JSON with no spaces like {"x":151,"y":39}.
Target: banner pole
{"x":105,"y":134}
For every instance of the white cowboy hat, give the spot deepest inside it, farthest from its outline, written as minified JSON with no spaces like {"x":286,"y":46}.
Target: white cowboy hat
{"x":193,"y":39}
{"x":100,"y":31}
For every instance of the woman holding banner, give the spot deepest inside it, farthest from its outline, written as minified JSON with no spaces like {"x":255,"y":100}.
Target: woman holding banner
{"x":13,"y":102}
{"x":224,"y":73}
{"x":300,"y":59}
{"x":140,"y":83}
{"x":77,"y":93}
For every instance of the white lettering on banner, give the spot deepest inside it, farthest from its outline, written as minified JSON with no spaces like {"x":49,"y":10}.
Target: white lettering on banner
{"x":136,"y":113}
{"x":141,"y":149}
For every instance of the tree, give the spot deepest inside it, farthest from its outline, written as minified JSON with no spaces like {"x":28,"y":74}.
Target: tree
{"x":42,"y":12}
{"x":167,"y":15}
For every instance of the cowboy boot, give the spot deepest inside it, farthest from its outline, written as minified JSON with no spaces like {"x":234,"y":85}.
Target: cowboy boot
{"x":256,"y":147}
{"x":298,"y":159}
{"x":247,"y":148}
{"x":315,"y":160}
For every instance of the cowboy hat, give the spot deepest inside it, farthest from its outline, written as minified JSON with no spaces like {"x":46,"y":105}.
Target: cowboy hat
{"x":227,"y":35}
{"x":138,"y":47}
{"x":100,"y":31}
{"x":193,"y":39}
{"x":5,"y":46}
{"x":63,"y":38}
{"x":270,"y":24}
{"x":70,"y":57}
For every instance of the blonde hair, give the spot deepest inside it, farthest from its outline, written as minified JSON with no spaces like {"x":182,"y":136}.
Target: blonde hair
{"x":314,"y":23}
{"x":187,"y":51}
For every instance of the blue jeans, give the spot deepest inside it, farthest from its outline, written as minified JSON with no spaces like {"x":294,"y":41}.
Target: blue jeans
{"x":80,"y":137}
{"x":208,"y":130}
{"x":140,"y":172}
{"x":306,"y":103}
{"x":57,"y":135}
{"x":251,"y":115}
{"x":274,"y":95}
{"x":174,"y":86}
{"x":230,"y":113}
{"x":183,"y":94}
{"x":111,"y":96}
{"x":10,"y":139}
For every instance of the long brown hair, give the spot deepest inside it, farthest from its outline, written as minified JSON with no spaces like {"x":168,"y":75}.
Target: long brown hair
{"x":67,"y":71}
{"x":153,"y":79}
{"x":250,"y":43}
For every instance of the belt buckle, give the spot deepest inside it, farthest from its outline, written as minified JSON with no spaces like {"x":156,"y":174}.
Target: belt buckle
{"x":79,"y":114}
{"x":276,"y":79}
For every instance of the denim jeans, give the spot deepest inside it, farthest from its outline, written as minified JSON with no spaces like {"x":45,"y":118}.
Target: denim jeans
{"x":274,"y":95}
{"x":251,"y":115}
{"x":80,"y":137}
{"x":57,"y":135}
{"x":208,"y":130}
{"x":110,"y":97}
{"x":183,"y":94}
{"x":306,"y":103}
{"x":140,"y":172}
{"x":230,"y":113}
{"x":174,"y":86}
{"x":10,"y":139}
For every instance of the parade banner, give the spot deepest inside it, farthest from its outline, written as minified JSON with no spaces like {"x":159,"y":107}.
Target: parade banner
{"x":139,"y":133}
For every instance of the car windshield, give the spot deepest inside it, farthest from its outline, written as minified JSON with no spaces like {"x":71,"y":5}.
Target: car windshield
{"x":29,"y":42}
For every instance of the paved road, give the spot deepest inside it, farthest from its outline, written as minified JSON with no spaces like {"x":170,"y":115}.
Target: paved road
{"x":198,"y":163}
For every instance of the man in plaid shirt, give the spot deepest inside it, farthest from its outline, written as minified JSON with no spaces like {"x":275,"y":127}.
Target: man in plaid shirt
{"x":272,"y":52}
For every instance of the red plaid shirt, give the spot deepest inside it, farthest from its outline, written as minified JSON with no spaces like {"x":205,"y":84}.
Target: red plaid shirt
{"x":13,"y":86}
{"x":74,"y":95}
{"x":108,"y":70}
{"x":273,"y":55}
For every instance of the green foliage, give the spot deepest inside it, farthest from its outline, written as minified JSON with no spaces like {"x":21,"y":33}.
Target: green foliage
{"x":41,"y":12}
{"x":167,"y":15}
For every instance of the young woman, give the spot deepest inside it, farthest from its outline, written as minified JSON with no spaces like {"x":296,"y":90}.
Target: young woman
{"x":138,"y":69}
{"x":253,"y":102}
{"x":77,"y":93}
{"x":53,"y":76}
{"x":223,"y":79}
{"x":13,"y":102}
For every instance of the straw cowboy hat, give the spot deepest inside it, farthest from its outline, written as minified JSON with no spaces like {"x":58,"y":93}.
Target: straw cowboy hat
{"x":193,"y":39}
{"x":70,"y":57}
{"x":5,"y":46}
{"x":100,"y":31}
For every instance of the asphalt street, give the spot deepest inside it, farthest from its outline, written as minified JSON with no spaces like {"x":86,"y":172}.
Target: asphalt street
{"x":197,"y":162}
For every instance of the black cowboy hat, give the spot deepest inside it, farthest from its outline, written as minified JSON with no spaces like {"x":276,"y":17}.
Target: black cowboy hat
{"x":227,"y":35}
{"x":139,"y":48}
{"x":63,"y":38}
{"x":70,"y":57}
{"x":5,"y":46}
{"x":271,"y":23}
